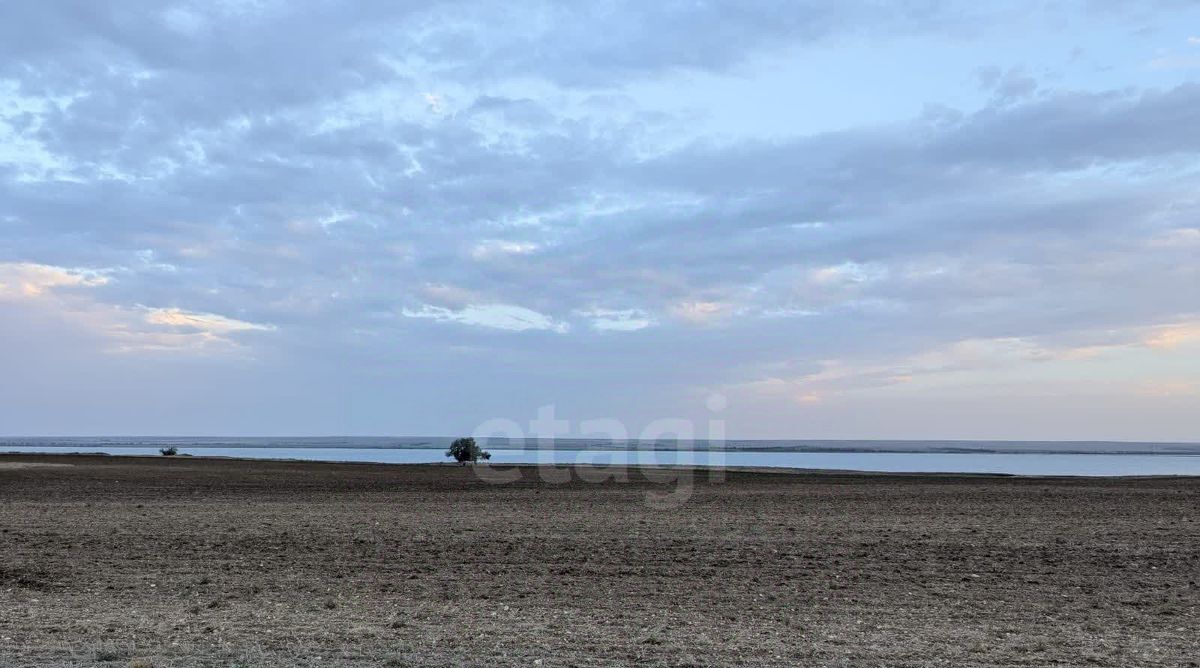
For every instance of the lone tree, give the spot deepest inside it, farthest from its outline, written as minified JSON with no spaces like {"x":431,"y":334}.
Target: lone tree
{"x":169,"y":452}
{"x":465,"y":450}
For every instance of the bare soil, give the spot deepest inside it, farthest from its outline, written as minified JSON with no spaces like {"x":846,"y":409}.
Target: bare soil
{"x":139,"y":562}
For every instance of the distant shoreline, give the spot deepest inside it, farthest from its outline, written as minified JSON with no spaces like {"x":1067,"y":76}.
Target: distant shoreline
{"x":899,"y":446}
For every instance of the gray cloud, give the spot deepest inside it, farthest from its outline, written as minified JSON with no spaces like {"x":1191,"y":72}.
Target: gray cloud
{"x":406,"y":192}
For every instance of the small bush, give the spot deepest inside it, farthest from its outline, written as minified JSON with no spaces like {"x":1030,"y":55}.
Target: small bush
{"x":168,"y":452}
{"x":465,"y":450}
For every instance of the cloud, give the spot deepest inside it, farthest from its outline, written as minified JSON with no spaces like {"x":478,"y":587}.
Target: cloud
{"x":1028,"y":364}
{"x":1170,"y":337}
{"x":207,"y":323}
{"x":1178,"y":237}
{"x":30,"y":280}
{"x":1175,"y":62}
{"x":436,"y":102}
{"x":617,"y":320}
{"x":493,"y":316}
{"x":449,"y":296}
{"x":700,"y":312}
{"x":1171,"y":389}
{"x":174,"y":331}
{"x":847,"y":273}
{"x":69,"y":295}
{"x":446,"y":182}
{"x":1007,"y":86}
{"x":493,"y":248}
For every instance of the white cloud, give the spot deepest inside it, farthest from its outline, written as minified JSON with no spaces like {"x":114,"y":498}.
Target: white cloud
{"x":20,"y":145}
{"x":787,"y":312}
{"x":53,"y":292}
{"x":436,"y":102}
{"x":494,"y":316}
{"x":29,"y":279}
{"x":207,"y":323}
{"x":701,"y":312}
{"x":848,"y":272}
{"x":627,"y":320}
{"x":492,"y":248}
{"x":172,"y":331}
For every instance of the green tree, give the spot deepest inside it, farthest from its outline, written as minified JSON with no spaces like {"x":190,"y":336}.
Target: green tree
{"x":465,"y":450}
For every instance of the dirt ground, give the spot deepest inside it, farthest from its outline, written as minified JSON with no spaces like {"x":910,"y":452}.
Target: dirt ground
{"x":201,"y":562}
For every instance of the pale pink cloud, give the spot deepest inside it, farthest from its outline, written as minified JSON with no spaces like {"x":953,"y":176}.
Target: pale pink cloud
{"x":67,"y":294}
{"x":29,"y":280}
{"x":701,"y":312}
{"x":1172,"y":336}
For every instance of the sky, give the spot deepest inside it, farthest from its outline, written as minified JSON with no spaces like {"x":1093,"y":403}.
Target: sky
{"x":915,"y":219}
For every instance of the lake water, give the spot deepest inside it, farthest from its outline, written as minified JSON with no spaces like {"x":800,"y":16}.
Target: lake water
{"x":777,"y":445}
{"x":893,"y":462}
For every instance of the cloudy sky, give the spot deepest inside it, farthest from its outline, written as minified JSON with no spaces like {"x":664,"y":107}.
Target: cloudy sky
{"x":849,"y":219}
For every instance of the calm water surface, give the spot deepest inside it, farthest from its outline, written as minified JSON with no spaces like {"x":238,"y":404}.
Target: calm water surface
{"x":891,"y":462}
